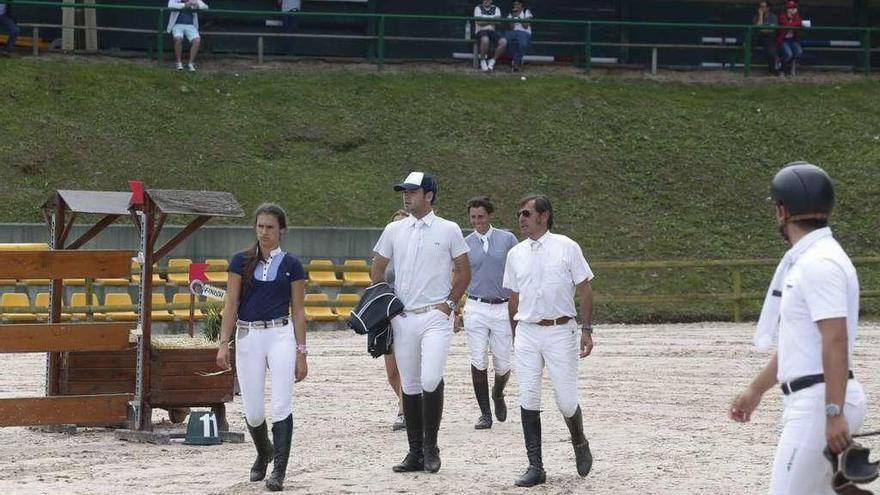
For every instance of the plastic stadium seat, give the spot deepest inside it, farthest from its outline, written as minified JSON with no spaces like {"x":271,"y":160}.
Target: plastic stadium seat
{"x":183,"y":314}
{"x":113,"y":282}
{"x":10,"y":301}
{"x":36,"y":282}
{"x":160,"y":314}
{"x":318,"y":313}
{"x":322,"y":277}
{"x":79,"y":299}
{"x":74,"y":282}
{"x":24,"y":246}
{"x":179,"y":278}
{"x":218,"y":278}
{"x":119,"y":299}
{"x":345,"y":303}
{"x":358,"y":279}
{"x":135,"y":266}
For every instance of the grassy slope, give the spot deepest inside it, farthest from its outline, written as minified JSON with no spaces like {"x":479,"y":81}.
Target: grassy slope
{"x":637,"y":170}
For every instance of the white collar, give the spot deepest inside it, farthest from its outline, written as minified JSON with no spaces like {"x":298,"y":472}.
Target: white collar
{"x":427,"y":219}
{"x":273,"y":253}
{"x":541,"y":240}
{"x":487,"y":235}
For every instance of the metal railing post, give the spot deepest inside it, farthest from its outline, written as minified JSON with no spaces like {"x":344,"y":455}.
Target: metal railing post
{"x":35,"y":38}
{"x":381,"y":48}
{"x":737,"y":295}
{"x":160,"y":40}
{"x":588,"y":47}
{"x":866,"y":51}
{"x":747,"y":54}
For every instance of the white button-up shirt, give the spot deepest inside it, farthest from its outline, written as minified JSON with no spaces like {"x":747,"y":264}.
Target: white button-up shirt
{"x":822,"y":284}
{"x":545,"y":272}
{"x":422,"y":251}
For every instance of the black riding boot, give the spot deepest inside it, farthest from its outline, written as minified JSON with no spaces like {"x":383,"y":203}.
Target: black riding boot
{"x":481,"y":390}
{"x":260,"y":434}
{"x":282,"y":433}
{"x":412,"y":413}
{"x":531,"y":423}
{"x":582,"y":456}
{"x":498,"y":396}
{"x":432,"y":412}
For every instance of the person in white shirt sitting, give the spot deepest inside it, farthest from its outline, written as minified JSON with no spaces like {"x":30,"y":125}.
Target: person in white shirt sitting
{"x":519,"y":36}
{"x":184,"y":21}
{"x":486,"y":34}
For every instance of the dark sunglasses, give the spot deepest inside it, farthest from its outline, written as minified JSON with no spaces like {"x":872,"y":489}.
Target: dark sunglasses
{"x":524,"y":213}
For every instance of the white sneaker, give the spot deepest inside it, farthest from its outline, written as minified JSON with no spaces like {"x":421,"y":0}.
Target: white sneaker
{"x":483,"y":65}
{"x":191,"y":67}
{"x":491,"y":64}
{"x":179,"y":66}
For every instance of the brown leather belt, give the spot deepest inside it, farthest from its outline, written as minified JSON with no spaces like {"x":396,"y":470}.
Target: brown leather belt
{"x":558,"y":321}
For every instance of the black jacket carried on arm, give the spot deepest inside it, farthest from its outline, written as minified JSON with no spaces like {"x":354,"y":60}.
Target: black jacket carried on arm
{"x":372,"y":316}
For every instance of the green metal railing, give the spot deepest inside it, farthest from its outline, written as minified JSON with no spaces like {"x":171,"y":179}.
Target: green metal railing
{"x":380,"y":38}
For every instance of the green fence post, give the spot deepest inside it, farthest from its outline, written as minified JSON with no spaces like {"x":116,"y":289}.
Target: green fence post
{"x":866,"y":51}
{"x":381,"y":41}
{"x":588,"y":47}
{"x":747,"y":54}
{"x":737,"y":295}
{"x":90,"y":291}
{"x":160,"y":40}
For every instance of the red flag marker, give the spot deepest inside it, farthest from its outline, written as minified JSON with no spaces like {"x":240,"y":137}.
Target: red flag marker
{"x":197,"y":272}
{"x":137,"y":192}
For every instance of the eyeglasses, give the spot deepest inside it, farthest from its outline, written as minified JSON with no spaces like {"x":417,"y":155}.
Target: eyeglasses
{"x":524,"y":213}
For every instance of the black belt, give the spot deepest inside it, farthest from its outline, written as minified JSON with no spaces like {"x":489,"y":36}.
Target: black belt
{"x":805,"y":382}
{"x":488,"y":301}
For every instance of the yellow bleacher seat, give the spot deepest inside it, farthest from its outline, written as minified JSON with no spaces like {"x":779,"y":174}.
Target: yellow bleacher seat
{"x":9,"y":304}
{"x":318,"y":313}
{"x":179,"y":278}
{"x":119,"y":299}
{"x":79,"y":299}
{"x":74,"y":282}
{"x":160,"y":314}
{"x":322,"y":277}
{"x":42,"y":299}
{"x":183,"y":314}
{"x":7,"y":281}
{"x":24,"y":246}
{"x":358,"y":279}
{"x":135,"y":266}
{"x":218,"y":278}
{"x":35,"y":282}
{"x":113,"y":282}
{"x":345,"y":303}
{"x":25,"y":41}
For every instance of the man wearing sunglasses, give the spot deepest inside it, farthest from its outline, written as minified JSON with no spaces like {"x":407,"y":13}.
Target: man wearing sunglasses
{"x":543,"y":273}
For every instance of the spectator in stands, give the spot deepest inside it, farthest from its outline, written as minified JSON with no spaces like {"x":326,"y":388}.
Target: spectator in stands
{"x":184,"y":21}
{"x":290,"y":22}
{"x":789,"y":39}
{"x":7,"y":25}
{"x":486,"y":34}
{"x":765,"y":18}
{"x":519,"y":35}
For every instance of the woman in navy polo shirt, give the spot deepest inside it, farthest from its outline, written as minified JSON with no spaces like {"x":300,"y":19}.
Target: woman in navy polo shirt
{"x":264,"y":302}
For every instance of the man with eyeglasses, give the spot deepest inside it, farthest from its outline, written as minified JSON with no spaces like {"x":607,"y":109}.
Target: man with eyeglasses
{"x":543,"y":273}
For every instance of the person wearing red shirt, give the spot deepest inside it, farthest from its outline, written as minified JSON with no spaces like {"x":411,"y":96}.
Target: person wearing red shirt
{"x":789,"y":39}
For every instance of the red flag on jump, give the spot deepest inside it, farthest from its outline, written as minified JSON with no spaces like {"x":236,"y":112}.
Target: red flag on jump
{"x":197,"y":272}
{"x":137,"y":192}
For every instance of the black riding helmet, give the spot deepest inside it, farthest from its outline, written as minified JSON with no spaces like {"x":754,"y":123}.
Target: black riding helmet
{"x":805,"y":190}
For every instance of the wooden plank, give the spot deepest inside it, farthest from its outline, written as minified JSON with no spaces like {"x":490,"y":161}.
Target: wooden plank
{"x":193,"y":382}
{"x":80,"y":410}
{"x":64,"y":337}
{"x":65,"y":264}
{"x":103,"y":359}
{"x":114,"y":375}
{"x":98,"y":388}
{"x":190,"y":398}
{"x":184,"y":368}
{"x":186,"y":355}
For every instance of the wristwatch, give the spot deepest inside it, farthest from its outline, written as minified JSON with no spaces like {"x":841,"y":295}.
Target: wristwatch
{"x":832,"y":410}
{"x":452,"y":304}
{"x":587,"y":328}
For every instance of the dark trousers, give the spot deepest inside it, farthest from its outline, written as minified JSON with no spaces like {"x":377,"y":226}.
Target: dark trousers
{"x":8,"y":25}
{"x":518,"y":41}
{"x":291,"y":25}
{"x":771,"y":50}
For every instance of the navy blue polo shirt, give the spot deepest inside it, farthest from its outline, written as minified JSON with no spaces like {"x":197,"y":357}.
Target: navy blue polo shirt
{"x":267,"y":296}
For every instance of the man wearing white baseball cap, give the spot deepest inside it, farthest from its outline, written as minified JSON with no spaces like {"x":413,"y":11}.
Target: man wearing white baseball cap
{"x":426,"y":251}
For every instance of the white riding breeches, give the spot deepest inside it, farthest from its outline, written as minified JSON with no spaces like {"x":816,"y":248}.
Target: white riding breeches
{"x":255,"y":351}
{"x":799,"y":467}
{"x":487,"y":327}
{"x":421,"y":345}
{"x":557,"y":347}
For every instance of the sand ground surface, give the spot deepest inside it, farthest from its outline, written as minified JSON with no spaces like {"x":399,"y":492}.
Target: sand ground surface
{"x":654,"y":399}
